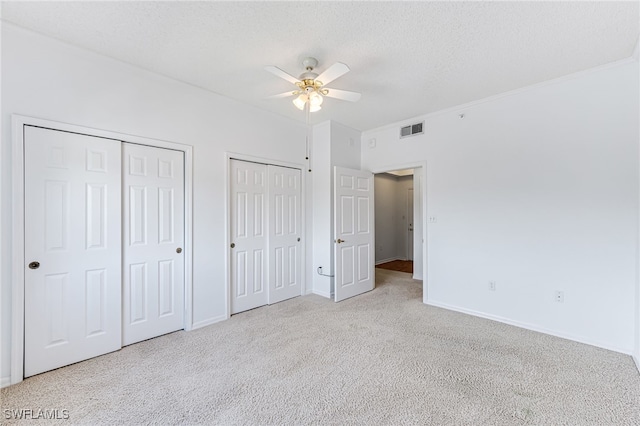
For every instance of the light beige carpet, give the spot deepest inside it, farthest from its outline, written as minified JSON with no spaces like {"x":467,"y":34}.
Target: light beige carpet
{"x":379,"y":358}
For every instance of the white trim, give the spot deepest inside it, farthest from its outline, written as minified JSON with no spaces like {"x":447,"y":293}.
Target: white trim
{"x":636,"y":50}
{"x":209,"y":321}
{"x":227,"y":218}
{"x":459,"y":108}
{"x":636,"y":359}
{"x":527,"y":326}
{"x":391,"y":259}
{"x":17,"y":313}
{"x":5,"y":381}
{"x":17,"y":251}
{"x":422,"y":165}
{"x":322,"y":293}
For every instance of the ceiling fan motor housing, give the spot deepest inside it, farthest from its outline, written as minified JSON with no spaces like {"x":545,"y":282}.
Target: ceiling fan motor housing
{"x":309,"y":63}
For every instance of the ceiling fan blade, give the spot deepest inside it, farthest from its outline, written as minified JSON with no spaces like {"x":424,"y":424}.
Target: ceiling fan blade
{"x":277,"y":71}
{"x":283,"y":95}
{"x":334,"y":71}
{"x":345,"y":95}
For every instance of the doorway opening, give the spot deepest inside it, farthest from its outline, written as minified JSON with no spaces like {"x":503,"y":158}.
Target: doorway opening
{"x":394,"y":225}
{"x":400,"y":223}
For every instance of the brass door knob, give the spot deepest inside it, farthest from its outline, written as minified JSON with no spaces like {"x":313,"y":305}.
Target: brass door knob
{"x":34,"y":265}
{"x":233,"y":245}
{"x":339,"y":241}
{"x":178,"y":250}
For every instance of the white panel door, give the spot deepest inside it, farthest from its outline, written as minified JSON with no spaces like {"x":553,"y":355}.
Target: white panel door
{"x":153,"y":232}
{"x":73,"y":247}
{"x":410,"y":222}
{"x":284,"y":234}
{"x":353,"y":230}
{"x":249,"y":287}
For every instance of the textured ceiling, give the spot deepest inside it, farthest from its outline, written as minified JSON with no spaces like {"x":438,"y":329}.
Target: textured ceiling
{"x":406,"y":58}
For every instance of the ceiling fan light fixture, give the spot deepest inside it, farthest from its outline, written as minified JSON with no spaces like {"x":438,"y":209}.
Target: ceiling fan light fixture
{"x":300,"y":101}
{"x":314,"y":108}
{"x":315,"y":99}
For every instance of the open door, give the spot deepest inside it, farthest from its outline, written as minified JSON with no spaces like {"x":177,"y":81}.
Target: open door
{"x":353,"y":229}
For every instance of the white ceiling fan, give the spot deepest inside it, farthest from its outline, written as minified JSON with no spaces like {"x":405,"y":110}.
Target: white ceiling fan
{"x":311,"y":86}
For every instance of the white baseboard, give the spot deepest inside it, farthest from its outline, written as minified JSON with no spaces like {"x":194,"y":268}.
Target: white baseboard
{"x":321,"y":293}
{"x":5,"y":381}
{"x":531,"y":327}
{"x":207,"y":322}
{"x":391,"y":259}
{"x":636,"y":359}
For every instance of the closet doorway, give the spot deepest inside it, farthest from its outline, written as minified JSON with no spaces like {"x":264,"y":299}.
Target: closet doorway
{"x":266,"y":231}
{"x":101,"y":243}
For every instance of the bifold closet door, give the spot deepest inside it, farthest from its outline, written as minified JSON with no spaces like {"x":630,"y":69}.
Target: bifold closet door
{"x":266,"y":261}
{"x":248,"y":235}
{"x":72,"y":248}
{"x":153,"y":259}
{"x":284,"y":233}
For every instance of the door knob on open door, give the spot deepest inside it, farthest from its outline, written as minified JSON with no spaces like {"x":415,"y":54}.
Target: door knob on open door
{"x":339,"y":241}
{"x":34,"y":265}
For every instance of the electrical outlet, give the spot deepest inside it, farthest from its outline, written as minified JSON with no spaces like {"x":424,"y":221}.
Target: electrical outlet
{"x":560,"y":296}
{"x":492,"y":285}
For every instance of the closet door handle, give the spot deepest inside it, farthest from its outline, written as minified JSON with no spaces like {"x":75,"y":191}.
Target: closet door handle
{"x":34,"y":265}
{"x":179,"y":250}
{"x":233,"y":245}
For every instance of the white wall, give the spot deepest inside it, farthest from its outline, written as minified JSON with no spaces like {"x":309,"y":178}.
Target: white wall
{"x":322,"y":207}
{"x":47,"y":79}
{"x":333,"y":145}
{"x":538,"y":191}
{"x":386,"y":217}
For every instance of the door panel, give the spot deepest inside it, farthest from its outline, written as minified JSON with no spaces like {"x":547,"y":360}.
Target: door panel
{"x":248,"y":268}
{"x":73,"y":221}
{"x":285,"y":272}
{"x":353,"y":215}
{"x":153,"y":285}
{"x":410,"y":222}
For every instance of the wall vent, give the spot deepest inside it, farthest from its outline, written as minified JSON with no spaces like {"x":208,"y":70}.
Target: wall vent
{"x":412,"y":129}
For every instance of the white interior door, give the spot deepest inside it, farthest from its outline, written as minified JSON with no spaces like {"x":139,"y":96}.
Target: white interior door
{"x":73,"y":222}
{"x":410,"y":223}
{"x":153,"y":261}
{"x":284,"y":233}
{"x":249,"y":287}
{"x":354,"y":232}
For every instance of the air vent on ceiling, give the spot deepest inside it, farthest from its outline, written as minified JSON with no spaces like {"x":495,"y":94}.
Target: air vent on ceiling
{"x":411,"y":130}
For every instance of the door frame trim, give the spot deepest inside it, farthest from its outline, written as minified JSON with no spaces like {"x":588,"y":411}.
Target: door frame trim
{"x":423,"y":193}
{"x":227,"y":218}
{"x":18,"y":235}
